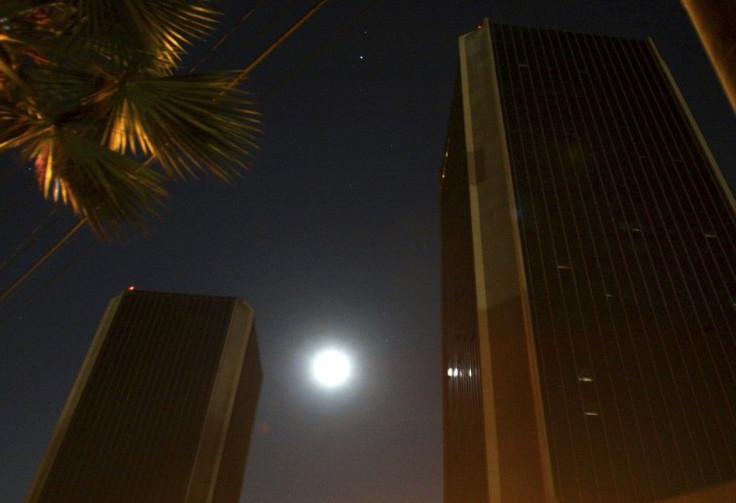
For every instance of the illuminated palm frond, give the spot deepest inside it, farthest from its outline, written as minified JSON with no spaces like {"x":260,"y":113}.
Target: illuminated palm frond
{"x":189,"y":123}
{"x":153,"y":31}
{"x":110,"y":190}
{"x":88,"y":89}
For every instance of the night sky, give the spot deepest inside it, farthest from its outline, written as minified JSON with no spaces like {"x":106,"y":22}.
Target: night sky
{"x":332,"y":236}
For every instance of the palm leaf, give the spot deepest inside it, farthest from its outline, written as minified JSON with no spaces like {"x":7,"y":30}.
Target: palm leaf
{"x":110,"y":190}
{"x":14,"y":8}
{"x":190,"y":123}
{"x":18,"y":126}
{"x":121,"y":35}
{"x":87,"y":89}
{"x":153,"y":31}
{"x":60,"y":91}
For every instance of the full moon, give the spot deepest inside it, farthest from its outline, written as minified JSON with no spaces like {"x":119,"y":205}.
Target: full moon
{"x":331,"y":368}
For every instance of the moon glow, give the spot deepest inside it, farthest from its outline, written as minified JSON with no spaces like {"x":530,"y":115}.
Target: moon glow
{"x":331,"y":368}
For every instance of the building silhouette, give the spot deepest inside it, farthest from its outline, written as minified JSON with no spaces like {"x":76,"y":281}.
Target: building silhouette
{"x":588,"y":287}
{"x":162,"y":408}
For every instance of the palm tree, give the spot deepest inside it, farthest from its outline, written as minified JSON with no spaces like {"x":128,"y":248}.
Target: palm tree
{"x":91,"y":91}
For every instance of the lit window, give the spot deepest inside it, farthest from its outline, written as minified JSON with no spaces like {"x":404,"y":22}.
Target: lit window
{"x":560,"y":266}
{"x":585,"y":379}
{"x":710,"y":235}
{"x":590,"y":413}
{"x":449,"y":372}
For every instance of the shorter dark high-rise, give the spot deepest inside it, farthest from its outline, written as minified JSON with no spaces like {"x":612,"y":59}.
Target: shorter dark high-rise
{"x":163,"y":407}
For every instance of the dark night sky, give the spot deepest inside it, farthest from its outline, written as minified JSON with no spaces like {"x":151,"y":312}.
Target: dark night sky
{"x":332,"y":237}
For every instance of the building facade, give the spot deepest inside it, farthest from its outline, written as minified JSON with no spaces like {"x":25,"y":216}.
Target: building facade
{"x":715,"y":22}
{"x":588,"y":277}
{"x":162,"y":408}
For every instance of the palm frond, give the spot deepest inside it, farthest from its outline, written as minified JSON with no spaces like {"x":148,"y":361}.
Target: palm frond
{"x":190,"y":123}
{"x":18,"y":126}
{"x":116,"y":34}
{"x":110,"y":190}
{"x":143,"y":30}
{"x":14,"y":8}
{"x":87,"y":89}
{"x":60,"y":91}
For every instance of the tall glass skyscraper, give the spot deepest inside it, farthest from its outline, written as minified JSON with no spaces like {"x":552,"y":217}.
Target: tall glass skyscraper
{"x":163,"y":406}
{"x":589,"y":277}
